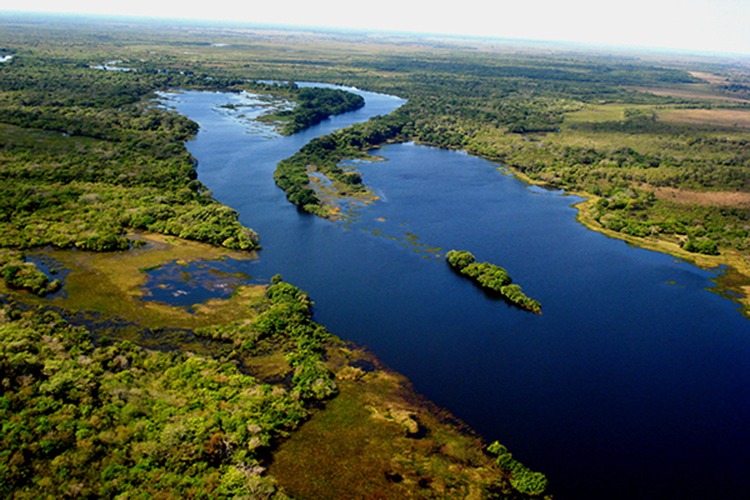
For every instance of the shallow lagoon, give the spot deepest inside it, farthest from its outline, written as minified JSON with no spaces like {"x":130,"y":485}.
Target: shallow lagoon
{"x":633,"y":383}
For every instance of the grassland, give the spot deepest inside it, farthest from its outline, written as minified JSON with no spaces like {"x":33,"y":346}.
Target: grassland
{"x":412,"y":448}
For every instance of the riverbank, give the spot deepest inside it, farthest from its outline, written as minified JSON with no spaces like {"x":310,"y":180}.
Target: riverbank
{"x":734,"y":277}
{"x":379,"y":438}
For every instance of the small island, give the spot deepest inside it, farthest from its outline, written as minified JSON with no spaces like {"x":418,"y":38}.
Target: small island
{"x":492,"y":278}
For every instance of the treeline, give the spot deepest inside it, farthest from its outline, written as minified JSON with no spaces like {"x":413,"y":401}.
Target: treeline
{"x":699,"y":229}
{"x":102,"y":420}
{"x":623,"y":176}
{"x":514,"y":112}
{"x":513,"y":109}
{"x":492,"y":278}
{"x":312,"y":106}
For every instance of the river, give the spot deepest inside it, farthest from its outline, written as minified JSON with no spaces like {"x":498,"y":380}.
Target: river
{"x":633,"y":383}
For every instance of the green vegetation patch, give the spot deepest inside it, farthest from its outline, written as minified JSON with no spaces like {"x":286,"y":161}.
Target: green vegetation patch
{"x":522,"y":478}
{"x":20,"y":274}
{"x":112,"y":419}
{"x":325,"y":154}
{"x":377,"y":439}
{"x":112,"y":283}
{"x":85,"y":157}
{"x":312,"y":106}
{"x":492,"y":278}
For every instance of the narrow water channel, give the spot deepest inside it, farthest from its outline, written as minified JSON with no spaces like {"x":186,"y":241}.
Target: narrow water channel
{"x":633,"y":383}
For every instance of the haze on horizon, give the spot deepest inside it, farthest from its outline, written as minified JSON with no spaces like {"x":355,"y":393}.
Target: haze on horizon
{"x":687,"y":25}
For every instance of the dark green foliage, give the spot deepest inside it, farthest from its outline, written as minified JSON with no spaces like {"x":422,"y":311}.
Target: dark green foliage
{"x":460,"y":259}
{"x":27,"y":277}
{"x":324,"y":155}
{"x":22,"y":275}
{"x":291,"y":315}
{"x":702,"y":245}
{"x":492,"y":278}
{"x":108,"y":162}
{"x":703,"y":228}
{"x":216,"y":224}
{"x":113,"y":419}
{"x":287,"y":320}
{"x":80,"y":420}
{"x":521,"y":478}
{"x":313,"y":105}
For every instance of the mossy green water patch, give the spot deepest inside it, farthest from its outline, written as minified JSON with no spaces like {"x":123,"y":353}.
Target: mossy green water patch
{"x":112,"y":283}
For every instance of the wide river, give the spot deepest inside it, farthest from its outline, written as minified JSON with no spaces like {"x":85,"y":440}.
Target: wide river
{"x":633,"y":383}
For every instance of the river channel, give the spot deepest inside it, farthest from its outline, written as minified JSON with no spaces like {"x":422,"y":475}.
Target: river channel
{"x":633,"y":383}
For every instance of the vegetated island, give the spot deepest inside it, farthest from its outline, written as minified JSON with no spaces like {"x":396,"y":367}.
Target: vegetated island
{"x":492,"y":278}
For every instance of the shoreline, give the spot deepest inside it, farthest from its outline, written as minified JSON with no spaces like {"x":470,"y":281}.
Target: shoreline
{"x":732,"y":261}
{"x":734,"y":278}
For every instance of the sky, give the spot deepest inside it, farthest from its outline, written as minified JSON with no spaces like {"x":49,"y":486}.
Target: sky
{"x":691,"y":25}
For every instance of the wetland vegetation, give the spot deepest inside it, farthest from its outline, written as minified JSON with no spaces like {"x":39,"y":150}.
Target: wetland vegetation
{"x":87,"y":160}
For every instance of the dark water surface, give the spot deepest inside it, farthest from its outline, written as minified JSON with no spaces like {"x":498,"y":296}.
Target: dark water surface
{"x":633,"y":383}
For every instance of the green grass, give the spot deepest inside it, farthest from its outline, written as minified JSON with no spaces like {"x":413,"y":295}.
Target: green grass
{"x":357,"y":447}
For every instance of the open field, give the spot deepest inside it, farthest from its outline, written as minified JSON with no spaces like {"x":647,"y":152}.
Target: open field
{"x":709,"y":77}
{"x":704,"y":198}
{"x":733,"y":119}
{"x":693,"y":91}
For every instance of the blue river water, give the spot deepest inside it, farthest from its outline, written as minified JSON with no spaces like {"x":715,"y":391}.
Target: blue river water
{"x":633,"y":383}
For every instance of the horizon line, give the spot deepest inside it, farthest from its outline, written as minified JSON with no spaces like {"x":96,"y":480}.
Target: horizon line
{"x":580,"y":45}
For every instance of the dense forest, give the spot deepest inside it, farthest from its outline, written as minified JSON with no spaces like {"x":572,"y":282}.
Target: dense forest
{"x":85,"y":419}
{"x":85,"y":160}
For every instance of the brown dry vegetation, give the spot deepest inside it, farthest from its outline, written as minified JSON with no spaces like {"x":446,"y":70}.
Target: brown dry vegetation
{"x":704,"y":198}
{"x":709,"y":91}
{"x":729,"y":118}
{"x":709,"y":77}
{"x":690,"y":91}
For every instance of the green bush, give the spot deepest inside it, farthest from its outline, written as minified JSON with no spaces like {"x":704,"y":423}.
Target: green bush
{"x":22,"y":275}
{"x":702,"y":245}
{"x":521,"y":478}
{"x":492,"y":278}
